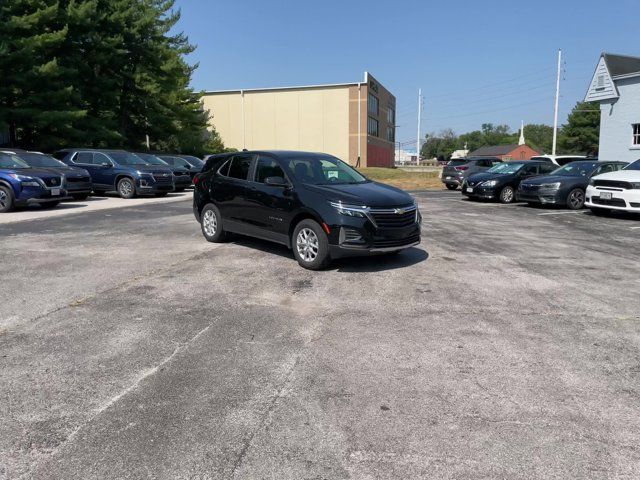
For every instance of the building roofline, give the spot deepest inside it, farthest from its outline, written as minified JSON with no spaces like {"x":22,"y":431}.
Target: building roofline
{"x":296,"y":87}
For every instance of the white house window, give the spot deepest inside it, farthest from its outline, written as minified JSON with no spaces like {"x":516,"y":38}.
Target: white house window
{"x":635,"y":141}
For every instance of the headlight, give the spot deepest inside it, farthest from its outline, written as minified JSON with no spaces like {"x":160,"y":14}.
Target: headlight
{"x":350,"y":210}
{"x":592,"y":181}
{"x":635,"y":185}
{"x":550,"y":186}
{"x":490,"y":183}
{"x":25,"y":180}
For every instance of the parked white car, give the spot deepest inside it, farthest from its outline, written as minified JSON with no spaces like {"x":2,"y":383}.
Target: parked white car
{"x":561,"y":160}
{"x":615,"y":190}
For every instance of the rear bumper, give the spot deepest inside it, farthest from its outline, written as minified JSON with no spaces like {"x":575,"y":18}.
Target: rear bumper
{"x":452,"y":180}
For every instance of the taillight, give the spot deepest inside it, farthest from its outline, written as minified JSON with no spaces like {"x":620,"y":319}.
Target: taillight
{"x":196,"y":180}
{"x":462,"y":168}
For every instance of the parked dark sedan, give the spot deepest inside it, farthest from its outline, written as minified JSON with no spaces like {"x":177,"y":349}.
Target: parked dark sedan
{"x":565,"y":186}
{"x":192,"y":164}
{"x":77,"y":180}
{"x":311,"y":202}
{"x":501,"y":181}
{"x":181,"y":176}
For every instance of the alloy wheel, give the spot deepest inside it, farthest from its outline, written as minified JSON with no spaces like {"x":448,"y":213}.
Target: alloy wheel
{"x":126,"y":188}
{"x":576,"y":199}
{"x":210,"y":223}
{"x":307,"y":244}
{"x":4,"y":199}
{"x":507,"y":195}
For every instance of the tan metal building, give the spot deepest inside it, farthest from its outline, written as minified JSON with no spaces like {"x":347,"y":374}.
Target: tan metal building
{"x":353,"y":121}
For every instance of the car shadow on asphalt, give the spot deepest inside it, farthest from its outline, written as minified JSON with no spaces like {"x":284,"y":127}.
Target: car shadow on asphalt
{"x":374,"y":263}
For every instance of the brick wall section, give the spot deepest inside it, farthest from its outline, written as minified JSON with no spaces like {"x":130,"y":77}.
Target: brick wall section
{"x":523,"y":152}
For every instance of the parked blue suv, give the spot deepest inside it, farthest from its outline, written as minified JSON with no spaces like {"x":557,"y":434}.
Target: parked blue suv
{"x":121,"y":171}
{"x":22,"y":185}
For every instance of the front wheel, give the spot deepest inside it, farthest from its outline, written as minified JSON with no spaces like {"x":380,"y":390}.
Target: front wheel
{"x":451,"y":186}
{"x":310,"y":245}
{"x":7,"y":202}
{"x":575,"y":199}
{"x":507,"y":195}
{"x":126,"y":188}
{"x":211,"y":224}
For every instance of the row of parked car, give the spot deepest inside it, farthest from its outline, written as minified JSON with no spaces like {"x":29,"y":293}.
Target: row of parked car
{"x":572,"y":182}
{"x":28,"y":177}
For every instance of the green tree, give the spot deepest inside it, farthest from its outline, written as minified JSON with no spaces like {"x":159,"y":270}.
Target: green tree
{"x":539,"y":137}
{"x":581,"y":133}
{"x":440,"y":146}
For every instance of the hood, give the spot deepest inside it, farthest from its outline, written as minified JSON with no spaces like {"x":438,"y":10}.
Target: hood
{"x":369,"y":194}
{"x":152,"y":168}
{"x":566,"y":179}
{"x":67,"y":171}
{"x":624,"y":175}
{"x":34,"y":172}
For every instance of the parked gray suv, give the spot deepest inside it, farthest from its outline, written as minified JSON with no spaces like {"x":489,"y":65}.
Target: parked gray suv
{"x":456,"y":171}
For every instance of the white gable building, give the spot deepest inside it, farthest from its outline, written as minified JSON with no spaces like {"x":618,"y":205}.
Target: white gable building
{"x":616,"y":86}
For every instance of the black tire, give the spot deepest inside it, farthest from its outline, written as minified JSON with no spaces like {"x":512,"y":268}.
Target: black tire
{"x":318,"y":247}
{"x":600,"y":212}
{"x":126,"y":188}
{"x":7,"y":202}
{"x":575,"y":199}
{"x":451,"y":186}
{"x":213,"y":232}
{"x":48,"y":204}
{"x":79,"y":196}
{"x":181,"y":189}
{"x":507,"y":195}
{"x":161,"y":194}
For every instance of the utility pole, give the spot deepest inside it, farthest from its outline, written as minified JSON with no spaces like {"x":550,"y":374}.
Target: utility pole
{"x":555,"y":111}
{"x":419,"y":118}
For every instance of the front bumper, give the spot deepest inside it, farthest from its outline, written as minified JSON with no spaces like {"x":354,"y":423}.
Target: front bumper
{"x":41,"y":197}
{"x":551,"y":197}
{"x":144,"y":185}
{"x":352,"y":236}
{"x":479,"y":192}
{"x":625,"y":200}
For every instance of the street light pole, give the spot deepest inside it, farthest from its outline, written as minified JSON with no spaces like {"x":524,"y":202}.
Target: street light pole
{"x":555,"y":111}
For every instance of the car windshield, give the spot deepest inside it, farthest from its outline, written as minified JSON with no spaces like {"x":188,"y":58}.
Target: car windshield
{"x":40,"y":160}
{"x":506,"y":168}
{"x":126,"y":158}
{"x":633,"y":166}
{"x":195,"y":161}
{"x":455,"y":163}
{"x":324,"y":170}
{"x":177,"y":161}
{"x":576,"y":169}
{"x":152,"y":159}
{"x":11,"y":161}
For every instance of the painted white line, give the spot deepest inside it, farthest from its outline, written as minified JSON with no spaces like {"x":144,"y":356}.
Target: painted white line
{"x":634,"y":228}
{"x":561,"y":213}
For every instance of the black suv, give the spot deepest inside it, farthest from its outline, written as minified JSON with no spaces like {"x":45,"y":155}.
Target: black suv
{"x":311,"y":202}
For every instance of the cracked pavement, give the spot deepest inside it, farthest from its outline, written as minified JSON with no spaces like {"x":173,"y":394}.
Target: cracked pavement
{"x":505,"y":346}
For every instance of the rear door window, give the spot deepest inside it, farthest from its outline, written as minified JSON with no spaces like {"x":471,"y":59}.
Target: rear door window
{"x":546,"y":168}
{"x":86,"y":158}
{"x":240,"y":167}
{"x":268,"y":167}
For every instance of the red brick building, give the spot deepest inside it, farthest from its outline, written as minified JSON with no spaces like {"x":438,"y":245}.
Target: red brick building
{"x":505,"y":152}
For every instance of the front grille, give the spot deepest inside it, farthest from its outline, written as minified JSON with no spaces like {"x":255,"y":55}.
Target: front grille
{"x":163,"y":178}
{"x":613,"y":184}
{"x":180,"y":174}
{"x":528,"y":188}
{"x":52,"y":181}
{"x":394,"y":217}
{"x":396,"y":242}
{"x":614,"y":202}
{"x":77,"y":179}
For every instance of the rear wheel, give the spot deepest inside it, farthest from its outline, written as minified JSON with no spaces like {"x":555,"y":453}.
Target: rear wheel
{"x":6,"y":199}
{"x":211,"y":224}
{"x":507,"y":195}
{"x":126,"y":188}
{"x":575,"y":199}
{"x":310,"y":245}
{"x":451,"y":186}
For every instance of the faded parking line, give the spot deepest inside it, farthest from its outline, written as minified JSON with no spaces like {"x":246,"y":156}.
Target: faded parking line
{"x":562,"y":213}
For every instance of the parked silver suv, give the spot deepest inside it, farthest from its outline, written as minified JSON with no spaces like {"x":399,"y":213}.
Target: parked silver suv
{"x":456,"y":171}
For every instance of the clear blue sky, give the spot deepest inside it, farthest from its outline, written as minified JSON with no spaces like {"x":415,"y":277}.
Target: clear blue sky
{"x":475,"y":61}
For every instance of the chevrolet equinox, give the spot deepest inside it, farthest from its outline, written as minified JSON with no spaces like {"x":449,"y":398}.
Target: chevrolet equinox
{"x":313,"y":203}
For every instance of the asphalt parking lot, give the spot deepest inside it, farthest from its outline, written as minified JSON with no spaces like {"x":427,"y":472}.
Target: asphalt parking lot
{"x":505,"y":346}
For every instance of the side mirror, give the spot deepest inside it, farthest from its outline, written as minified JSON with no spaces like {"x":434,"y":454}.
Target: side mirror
{"x":106,"y":164}
{"x":276,"y":182}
